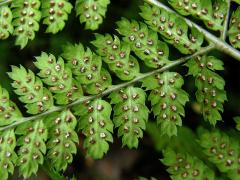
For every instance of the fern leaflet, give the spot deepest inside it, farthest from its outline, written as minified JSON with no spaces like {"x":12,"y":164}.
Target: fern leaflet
{"x":117,"y":56}
{"x":96,"y":125}
{"x":167,"y":100}
{"x":54,"y":73}
{"x":85,"y":64}
{"x":62,"y":139}
{"x":234,"y":29}
{"x":31,"y":91}
{"x":91,"y":12}
{"x":130,"y":114}
{"x":55,"y":13}
{"x":223,"y":151}
{"x":184,"y":166}
{"x":6,"y":27}
{"x":32,"y":142}
{"x":9,"y":113}
{"x":26,"y":16}
{"x":210,"y":86}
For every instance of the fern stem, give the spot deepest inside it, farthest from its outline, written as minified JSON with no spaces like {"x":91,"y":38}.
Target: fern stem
{"x":111,"y":89}
{"x":219,"y":44}
{"x":226,"y":21}
{"x":5,"y":2}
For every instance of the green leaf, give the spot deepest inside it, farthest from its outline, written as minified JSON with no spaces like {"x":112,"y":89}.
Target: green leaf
{"x":144,"y":42}
{"x":26,"y":17}
{"x":222,"y":150}
{"x":85,"y":64}
{"x":6,"y":27}
{"x":234,"y":29}
{"x":167,"y":100}
{"x":9,"y":112}
{"x":54,"y":73}
{"x":185,"y":166}
{"x":31,"y":91}
{"x":62,"y":139}
{"x":173,"y":29}
{"x":8,"y":156}
{"x":96,"y":125}
{"x":210,"y":86}
{"x":32,"y":147}
{"x":212,"y":12}
{"x":130,"y":114}
{"x":237,"y":120}
{"x":117,"y":56}
{"x":91,"y":12}
{"x":55,"y":13}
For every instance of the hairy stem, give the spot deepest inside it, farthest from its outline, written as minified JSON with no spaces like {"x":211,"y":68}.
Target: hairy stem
{"x":5,"y":2}
{"x":111,"y":89}
{"x":219,"y":44}
{"x":226,"y":21}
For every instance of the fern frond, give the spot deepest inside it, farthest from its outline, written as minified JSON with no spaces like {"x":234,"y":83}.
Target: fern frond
{"x":54,"y":73}
{"x":26,"y":16}
{"x":104,"y":82}
{"x":62,"y":139}
{"x":130,"y":114}
{"x":173,"y":29}
{"x":223,"y":151}
{"x":91,"y":12}
{"x":237,"y":120}
{"x":85,"y":64}
{"x":55,"y":13}
{"x":144,"y":42}
{"x":6,"y":27}
{"x":31,"y":91}
{"x":234,"y":29}
{"x":185,"y":166}
{"x":212,"y":12}
{"x":32,"y":147}
{"x":210,"y":86}
{"x":117,"y":56}
{"x":9,"y":113}
{"x":167,"y":100}
{"x":96,"y":125}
